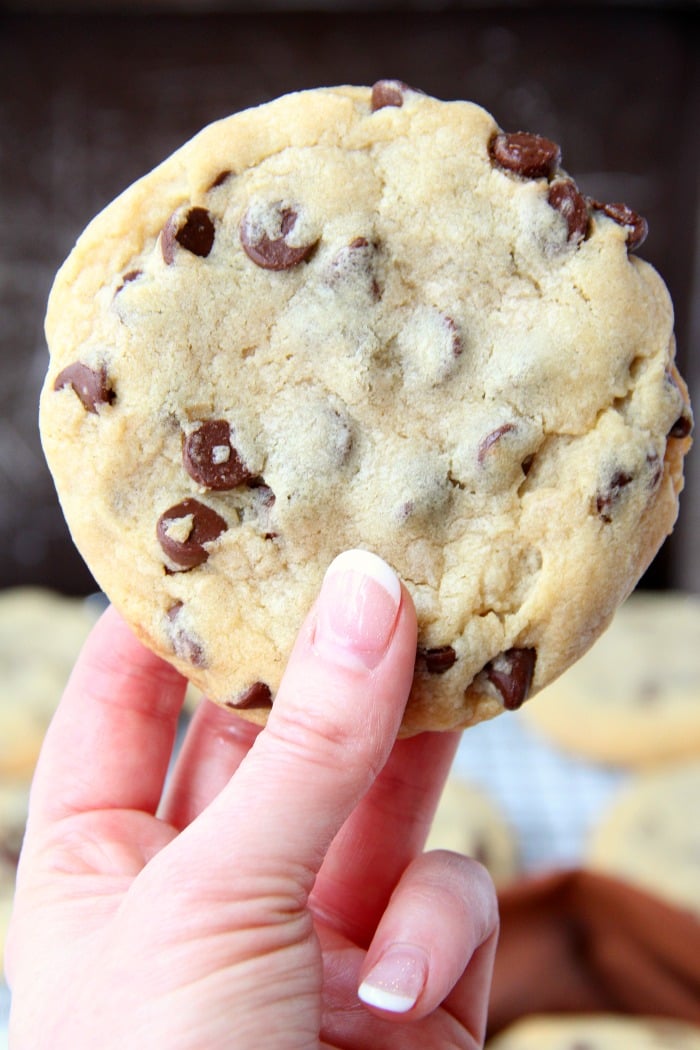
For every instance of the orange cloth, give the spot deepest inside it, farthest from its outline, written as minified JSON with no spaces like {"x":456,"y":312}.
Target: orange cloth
{"x":577,"y":942}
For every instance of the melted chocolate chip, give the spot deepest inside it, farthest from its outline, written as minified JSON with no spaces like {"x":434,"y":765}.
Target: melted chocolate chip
{"x":128,"y":278}
{"x":437,"y":660}
{"x":9,"y":853}
{"x":511,"y":673}
{"x":188,"y":551}
{"x":490,"y":440}
{"x":354,"y":263}
{"x":185,"y":646}
{"x":606,"y":500}
{"x":91,"y":385}
{"x":264,"y":493}
{"x":209,"y":457}
{"x":195,"y":234}
{"x":531,"y":156}
{"x":655,"y":467}
{"x":526,"y":465}
{"x":258,"y":695}
{"x":682,"y":427}
{"x":221,"y":178}
{"x":387,"y":93}
{"x":636,"y":225}
{"x":274,"y":253}
{"x":455,"y":335}
{"x":565,"y":198}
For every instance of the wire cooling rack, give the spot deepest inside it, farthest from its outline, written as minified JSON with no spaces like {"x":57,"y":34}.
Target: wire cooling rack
{"x":550,"y":799}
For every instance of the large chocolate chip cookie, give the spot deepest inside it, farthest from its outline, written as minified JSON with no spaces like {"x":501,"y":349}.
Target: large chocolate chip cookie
{"x":365,"y":317}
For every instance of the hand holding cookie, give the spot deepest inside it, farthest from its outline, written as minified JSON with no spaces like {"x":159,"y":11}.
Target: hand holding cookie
{"x":276,"y":875}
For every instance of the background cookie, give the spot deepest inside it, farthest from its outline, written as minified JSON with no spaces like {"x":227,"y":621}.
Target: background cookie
{"x":651,"y":835}
{"x":14,"y":801}
{"x":468,"y":821}
{"x":634,"y":699}
{"x":597,"y":1032}
{"x":290,"y":340}
{"x":41,"y":634}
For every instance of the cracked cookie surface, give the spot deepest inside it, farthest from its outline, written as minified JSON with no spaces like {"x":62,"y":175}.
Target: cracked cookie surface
{"x":360,"y":317}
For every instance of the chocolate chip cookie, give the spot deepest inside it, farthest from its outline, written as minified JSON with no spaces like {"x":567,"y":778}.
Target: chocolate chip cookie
{"x":597,"y":1032}
{"x":634,"y":699}
{"x":41,"y":634}
{"x":650,"y":835}
{"x":469,"y":821}
{"x":364,"y":317}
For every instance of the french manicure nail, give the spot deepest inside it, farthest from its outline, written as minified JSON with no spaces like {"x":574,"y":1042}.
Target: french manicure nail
{"x":357,"y":610}
{"x":396,"y":981}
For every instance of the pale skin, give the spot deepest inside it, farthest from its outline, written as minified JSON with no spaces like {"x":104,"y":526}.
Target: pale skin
{"x":272,"y":892}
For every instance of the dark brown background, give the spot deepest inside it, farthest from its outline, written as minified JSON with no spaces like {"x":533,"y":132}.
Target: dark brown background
{"x":92,"y":98}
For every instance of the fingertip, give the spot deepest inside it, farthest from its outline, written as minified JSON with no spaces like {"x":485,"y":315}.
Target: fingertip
{"x":357,"y":610}
{"x":436,"y":941}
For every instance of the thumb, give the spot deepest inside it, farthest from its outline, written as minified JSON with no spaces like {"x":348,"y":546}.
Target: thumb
{"x":332,"y":726}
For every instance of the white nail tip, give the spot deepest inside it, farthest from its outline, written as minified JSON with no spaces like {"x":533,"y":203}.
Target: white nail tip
{"x":368,"y":564}
{"x":384,"y":1000}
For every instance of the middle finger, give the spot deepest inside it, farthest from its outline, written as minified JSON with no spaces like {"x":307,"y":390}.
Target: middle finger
{"x":384,"y":833}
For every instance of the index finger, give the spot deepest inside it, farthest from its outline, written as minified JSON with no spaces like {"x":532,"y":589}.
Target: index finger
{"x":111,"y":738}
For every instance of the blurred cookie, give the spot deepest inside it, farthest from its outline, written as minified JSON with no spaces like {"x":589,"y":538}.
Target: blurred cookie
{"x":650,"y":836}
{"x":364,"y":317}
{"x":597,"y":1032}
{"x":468,"y":821}
{"x":634,"y":699}
{"x":14,"y":801}
{"x":41,"y":634}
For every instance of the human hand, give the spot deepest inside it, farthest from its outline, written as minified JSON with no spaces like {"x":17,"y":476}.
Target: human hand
{"x":244,"y":902}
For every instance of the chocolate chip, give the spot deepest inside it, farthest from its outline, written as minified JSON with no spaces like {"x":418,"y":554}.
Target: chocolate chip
{"x":264,"y":493}
{"x":187,"y":549}
{"x":91,"y":385}
{"x":354,"y":263}
{"x":185,"y":646}
{"x":195,"y":234}
{"x":525,"y":154}
{"x":637,"y":226}
{"x":565,"y":198}
{"x":526,"y":465}
{"x":273,"y":253}
{"x":221,"y":178}
{"x":648,"y":692}
{"x":455,"y":335}
{"x":258,"y":695}
{"x":9,"y":854}
{"x":437,"y":660}
{"x":682,"y":427}
{"x":209,"y":457}
{"x":606,"y":500}
{"x":511,"y":673}
{"x":490,"y":440}
{"x":128,"y":278}
{"x":387,"y":93}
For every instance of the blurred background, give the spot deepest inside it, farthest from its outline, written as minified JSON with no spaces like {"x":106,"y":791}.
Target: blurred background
{"x":93,"y":94}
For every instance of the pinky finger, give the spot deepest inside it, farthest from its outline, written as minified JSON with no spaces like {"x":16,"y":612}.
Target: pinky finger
{"x":435,"y":944}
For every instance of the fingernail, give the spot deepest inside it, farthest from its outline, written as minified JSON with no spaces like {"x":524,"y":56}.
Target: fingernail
{"x":357,"y":610}
{"x":396,"y":981}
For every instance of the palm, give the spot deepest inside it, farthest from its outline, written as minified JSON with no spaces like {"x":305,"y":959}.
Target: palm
{"x":168,"y":914}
